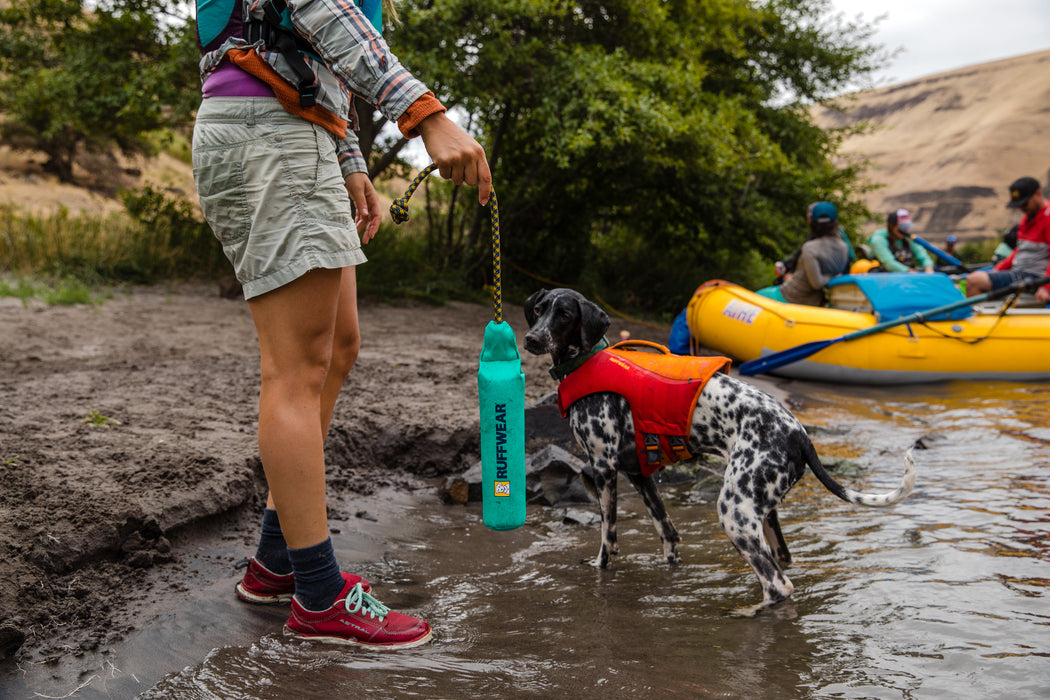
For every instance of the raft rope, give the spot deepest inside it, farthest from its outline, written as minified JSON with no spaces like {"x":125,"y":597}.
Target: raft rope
{"x":399,"y":213}
{"x":1002,"y":312}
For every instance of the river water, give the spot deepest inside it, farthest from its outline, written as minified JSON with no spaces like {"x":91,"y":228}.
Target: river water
{"x":944,"y":596}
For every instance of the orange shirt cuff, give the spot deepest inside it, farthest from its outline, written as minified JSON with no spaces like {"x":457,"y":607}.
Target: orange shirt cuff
{"x":422,"y":108}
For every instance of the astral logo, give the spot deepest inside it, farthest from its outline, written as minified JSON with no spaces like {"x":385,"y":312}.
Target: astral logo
{"x":741,"y":311}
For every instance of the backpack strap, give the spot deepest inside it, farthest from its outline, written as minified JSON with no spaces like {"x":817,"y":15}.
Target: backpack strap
{"x":275,"y":34}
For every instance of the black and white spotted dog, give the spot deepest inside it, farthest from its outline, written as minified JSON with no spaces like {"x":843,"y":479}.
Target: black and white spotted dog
{"x":765,"y":447}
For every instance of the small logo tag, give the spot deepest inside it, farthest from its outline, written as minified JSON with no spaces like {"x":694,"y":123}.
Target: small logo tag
{"x":502,"y":488}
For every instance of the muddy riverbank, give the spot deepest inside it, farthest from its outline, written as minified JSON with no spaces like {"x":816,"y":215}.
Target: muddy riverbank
{"x":127,"y":425}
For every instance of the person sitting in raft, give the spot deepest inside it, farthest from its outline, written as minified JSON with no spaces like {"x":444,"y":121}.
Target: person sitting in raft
{"x":949,"y":245}
{"x":822,"y":257}
{"x":1030,"y":260}
{"x":893,"y":247}
{"x":786,"y":267}
{"x":1006,"y":246}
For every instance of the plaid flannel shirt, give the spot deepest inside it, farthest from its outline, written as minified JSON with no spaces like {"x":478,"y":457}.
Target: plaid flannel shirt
{"x":355,"y":60}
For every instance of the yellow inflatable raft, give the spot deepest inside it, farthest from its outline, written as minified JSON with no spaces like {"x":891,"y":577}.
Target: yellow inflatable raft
{"x":982,"y":344}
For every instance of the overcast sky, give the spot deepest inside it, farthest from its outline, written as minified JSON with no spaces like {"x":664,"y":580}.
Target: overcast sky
{"x":941,"y":35}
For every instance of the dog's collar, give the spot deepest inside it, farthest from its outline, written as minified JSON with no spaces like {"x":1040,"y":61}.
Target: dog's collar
{"x":566,"y":368}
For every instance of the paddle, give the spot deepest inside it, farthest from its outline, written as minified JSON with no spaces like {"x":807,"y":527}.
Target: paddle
{"x":951,"y":260}
{"x":801,"y":352}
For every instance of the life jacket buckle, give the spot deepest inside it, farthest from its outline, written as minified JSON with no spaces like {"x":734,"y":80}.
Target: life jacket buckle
{"x":652,"y":448}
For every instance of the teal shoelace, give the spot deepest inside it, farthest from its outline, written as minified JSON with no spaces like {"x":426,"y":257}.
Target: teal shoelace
{"x":359,"y":601}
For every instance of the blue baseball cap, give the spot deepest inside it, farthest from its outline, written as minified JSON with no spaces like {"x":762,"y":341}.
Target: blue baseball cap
{"x":824,"y":211}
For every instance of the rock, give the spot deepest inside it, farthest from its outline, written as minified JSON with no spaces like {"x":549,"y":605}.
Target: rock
{"x":553,"y":477}
{"x":579,"y":516}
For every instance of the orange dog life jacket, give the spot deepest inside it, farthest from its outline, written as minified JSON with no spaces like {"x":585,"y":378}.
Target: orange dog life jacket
{"x":661,"y":388}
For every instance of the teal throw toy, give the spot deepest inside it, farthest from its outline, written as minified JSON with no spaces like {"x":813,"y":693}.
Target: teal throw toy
{"x":501,"y":397}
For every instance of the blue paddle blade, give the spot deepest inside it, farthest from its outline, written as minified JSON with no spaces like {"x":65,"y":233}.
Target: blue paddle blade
{"x":501,"y":404}
{"x":779,"y":359}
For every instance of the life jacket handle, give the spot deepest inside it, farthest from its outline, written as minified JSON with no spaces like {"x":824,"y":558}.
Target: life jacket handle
{"x":646,"y":344}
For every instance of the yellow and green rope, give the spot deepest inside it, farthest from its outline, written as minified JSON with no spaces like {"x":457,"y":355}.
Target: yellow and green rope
{"x":399,"y":213}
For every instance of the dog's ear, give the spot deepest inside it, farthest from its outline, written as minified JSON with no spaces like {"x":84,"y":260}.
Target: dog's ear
{"x":593,"y":323}
{"x":530,"y":305}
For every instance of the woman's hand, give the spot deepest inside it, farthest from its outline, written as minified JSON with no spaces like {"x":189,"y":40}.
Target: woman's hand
{"x":457,"y":155}
{"x":366,"y":205}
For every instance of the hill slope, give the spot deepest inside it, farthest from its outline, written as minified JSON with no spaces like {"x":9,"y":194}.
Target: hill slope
{"x":947,"y":146}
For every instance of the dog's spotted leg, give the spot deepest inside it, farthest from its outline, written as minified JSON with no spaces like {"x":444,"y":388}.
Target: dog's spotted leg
{"x":605,"y":484}
{"x":775,"y":538}
{"x":744,"y":527}
{"x":655,"y":505}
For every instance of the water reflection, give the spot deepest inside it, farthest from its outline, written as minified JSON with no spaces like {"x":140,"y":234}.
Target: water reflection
{"x":942,"y":596}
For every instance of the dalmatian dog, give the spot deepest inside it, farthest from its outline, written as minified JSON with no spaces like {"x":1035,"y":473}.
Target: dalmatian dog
{"x":766,"y":448}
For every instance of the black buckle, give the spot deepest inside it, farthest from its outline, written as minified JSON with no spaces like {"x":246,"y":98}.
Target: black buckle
{"x":307,"y":93}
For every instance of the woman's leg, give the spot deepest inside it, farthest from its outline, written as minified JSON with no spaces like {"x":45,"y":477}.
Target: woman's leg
{"x":346,"y":343}
{"x":296,"y":325}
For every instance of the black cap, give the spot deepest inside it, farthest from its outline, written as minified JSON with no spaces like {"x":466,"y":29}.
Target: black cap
{"x":1021,"y":191}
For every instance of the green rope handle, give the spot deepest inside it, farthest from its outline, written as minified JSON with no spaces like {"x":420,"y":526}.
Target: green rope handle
{"x":399,"y":213}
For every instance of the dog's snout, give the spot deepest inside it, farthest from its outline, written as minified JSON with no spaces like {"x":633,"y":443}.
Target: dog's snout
{"x":535,"y":342}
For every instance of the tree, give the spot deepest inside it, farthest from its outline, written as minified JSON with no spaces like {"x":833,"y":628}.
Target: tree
{"x":73,"y":80}
{"x":643,"y":144}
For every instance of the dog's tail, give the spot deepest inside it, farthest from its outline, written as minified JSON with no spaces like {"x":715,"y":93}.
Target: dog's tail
{"x":864,"y":499}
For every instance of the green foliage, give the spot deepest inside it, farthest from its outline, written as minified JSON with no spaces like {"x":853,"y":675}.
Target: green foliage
{"x":422,"y":257}
{"x":975,"y":252}
{"x":641,"y":147}
{"x":158,"y":238}
{"x":74,"y":80}
{"x":176,"y":240}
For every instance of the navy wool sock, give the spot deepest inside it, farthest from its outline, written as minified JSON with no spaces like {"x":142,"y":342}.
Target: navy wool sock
{"x":273,"y":550}
{"x":318,"y":580}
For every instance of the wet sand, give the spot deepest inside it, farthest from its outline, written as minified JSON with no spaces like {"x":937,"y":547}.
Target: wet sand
{"x":127,"y":443}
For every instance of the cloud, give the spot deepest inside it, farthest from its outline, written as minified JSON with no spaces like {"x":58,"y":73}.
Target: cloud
{"x":941,"y":35}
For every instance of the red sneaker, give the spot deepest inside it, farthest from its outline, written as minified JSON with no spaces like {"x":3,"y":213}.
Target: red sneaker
{"x":264,"y":587}
{"x":357,"y":618}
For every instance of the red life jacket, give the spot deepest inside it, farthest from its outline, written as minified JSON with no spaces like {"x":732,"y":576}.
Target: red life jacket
{"x":661,"y":388}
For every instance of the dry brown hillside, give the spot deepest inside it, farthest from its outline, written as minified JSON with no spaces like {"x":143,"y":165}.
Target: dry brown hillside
{"x":947,"y":146}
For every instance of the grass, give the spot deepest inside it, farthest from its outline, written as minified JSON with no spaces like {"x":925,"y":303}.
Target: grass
{"x":53,"y":292}
{"x":95,"y":418}
{"x":64,"y":258}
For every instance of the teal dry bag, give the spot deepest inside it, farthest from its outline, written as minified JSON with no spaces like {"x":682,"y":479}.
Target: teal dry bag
{"x":501,"y":403}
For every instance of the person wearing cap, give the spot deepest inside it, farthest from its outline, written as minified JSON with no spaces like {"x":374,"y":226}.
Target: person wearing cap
{"x":949,"y":245}
{"x":822,"y":257}
{"x":786,"y":267}
{"x":1030,"y":259}
{"x":894,"y":248}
